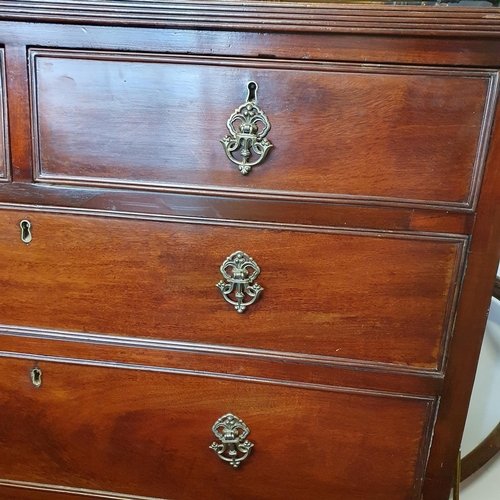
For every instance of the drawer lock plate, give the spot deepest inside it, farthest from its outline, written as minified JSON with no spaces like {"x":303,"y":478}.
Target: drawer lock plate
{"x":248,"y":127}
{"x":231,"y":432}
{"x":239,"y":271}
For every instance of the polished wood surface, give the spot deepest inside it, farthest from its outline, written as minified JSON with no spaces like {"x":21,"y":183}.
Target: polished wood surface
{"x":18,"y":110}
{"x":482,"y":265}
{"x":358,"y":296}
{"x":4,"y":142}
{"x":149,"y":434}
{"x":145,"y":119}
{"x":162,"y":355}
{"x":23,"y":491}
{"x":374,"y":221}
{"x":313,"y":17}
{"x":154,"y":205}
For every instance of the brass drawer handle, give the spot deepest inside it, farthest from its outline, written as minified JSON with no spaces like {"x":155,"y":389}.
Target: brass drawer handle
{"x":243,"y":125}
{"x":232,"y":432}
{"x":239,"y":271}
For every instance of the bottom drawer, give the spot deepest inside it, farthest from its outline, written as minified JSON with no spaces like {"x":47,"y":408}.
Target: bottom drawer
{"x":148,"y":433}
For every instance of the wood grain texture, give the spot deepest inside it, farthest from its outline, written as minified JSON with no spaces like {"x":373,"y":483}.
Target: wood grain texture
{"x":430,"y":50}
{"x":134,"y":119}
{"x":152,"y":436}
{"x":338,"y":294}
{"x":24,"y":490}
{"x":153,"y":205}
{"x":319,"y":17}
{"x":19,"y":111}
{"x":88,"y":269}
{"x":482,"y":265}
{"x":5,"y":173}
{"x":231,"y":363}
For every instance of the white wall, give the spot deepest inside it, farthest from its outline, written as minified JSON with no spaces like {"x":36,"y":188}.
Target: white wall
{"x":484,"y":413}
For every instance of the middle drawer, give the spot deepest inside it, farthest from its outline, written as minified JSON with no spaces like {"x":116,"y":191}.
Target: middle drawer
{"x":335,"y":293}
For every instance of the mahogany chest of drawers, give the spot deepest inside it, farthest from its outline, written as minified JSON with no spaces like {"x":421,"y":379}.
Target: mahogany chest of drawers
{"x":246,"y":250}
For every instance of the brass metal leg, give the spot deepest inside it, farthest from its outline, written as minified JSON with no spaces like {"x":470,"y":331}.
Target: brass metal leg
{"x":456,"y":486}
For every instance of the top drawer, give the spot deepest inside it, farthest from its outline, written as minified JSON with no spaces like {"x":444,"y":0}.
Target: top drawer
{"x":339,"y":132}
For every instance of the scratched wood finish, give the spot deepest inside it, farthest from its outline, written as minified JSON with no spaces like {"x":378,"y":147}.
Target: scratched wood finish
{"x":158,"y":120}
{"x":471,"y":48}
{"x":362,"y":296}
{"x":149,"y":434}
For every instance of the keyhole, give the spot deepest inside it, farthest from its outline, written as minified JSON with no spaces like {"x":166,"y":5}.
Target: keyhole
{"x":252,"y":92}
{"x":25,"y":231}
{"x":36,"y":377}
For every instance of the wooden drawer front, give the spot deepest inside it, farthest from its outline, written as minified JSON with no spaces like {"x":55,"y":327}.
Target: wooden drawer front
{"x":4,"y":138}
{"x":338,"y":131}
{"x":363,"y":296}
{"x":149,"y":434}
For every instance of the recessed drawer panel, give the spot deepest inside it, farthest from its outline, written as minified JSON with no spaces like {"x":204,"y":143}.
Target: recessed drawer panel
{"x":150,"y":434}
{"x":338,"y":132}
{"x":4,"y":138}
{"x":357,"y":295}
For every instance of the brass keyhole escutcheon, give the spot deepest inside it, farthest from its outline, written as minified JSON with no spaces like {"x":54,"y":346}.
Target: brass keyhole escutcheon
{"x":36,"y":377}
{"x":25,"y":226}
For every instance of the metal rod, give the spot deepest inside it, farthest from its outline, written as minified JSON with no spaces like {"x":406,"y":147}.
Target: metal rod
{"x":456,"y":487}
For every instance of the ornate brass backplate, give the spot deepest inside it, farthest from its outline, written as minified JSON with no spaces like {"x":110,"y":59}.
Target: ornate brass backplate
{"x":232,"y":432}
{"x":248,"y":127}
{"x":239,"y":270}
